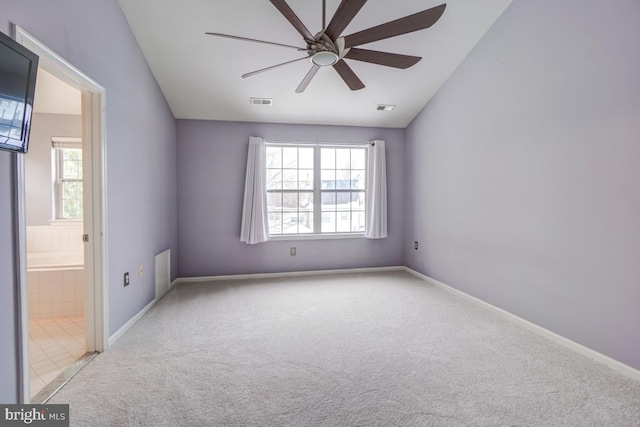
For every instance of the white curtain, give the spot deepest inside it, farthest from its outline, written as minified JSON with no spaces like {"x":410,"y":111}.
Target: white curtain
{"x":255,"y":227}
{"x":376,"y":193}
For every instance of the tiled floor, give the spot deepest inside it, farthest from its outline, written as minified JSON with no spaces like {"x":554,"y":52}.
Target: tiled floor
{"x":54,"y":344}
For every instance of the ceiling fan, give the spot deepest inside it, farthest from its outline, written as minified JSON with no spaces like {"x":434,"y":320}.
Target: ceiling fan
{"x":329,"y":48}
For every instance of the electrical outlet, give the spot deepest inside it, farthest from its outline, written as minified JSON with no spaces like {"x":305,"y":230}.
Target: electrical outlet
{"x":126,"y":278}
{"x":415,"y":245}
{"x":140,"y":271}
{"x":292,"y":251}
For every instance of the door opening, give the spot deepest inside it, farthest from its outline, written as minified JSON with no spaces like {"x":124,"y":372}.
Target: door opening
{"x":54,"y":205}
{"x":62,"y":288}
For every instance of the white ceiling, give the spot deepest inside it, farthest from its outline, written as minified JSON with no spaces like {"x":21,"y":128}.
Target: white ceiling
{"x":200,"y":74}
{"x":55,"y":96}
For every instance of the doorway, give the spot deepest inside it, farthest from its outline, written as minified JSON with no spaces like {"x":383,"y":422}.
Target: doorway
{"x":70,"y":324}
{"x":54,"y":229}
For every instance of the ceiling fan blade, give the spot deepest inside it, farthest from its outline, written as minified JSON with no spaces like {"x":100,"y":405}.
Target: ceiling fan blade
{"x":408,"y":24}
{"x":347,"y":10}
{"x":307,"y":79}
{"x":253,"y":73}
{"x":348,"y":75}
{"x":254,"y":40}
{"x":288,"y":13}
{"x":382,"y":58}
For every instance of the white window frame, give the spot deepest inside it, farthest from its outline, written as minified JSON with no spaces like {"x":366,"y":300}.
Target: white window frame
{"x":317,"y":191}
{"x":57,"y":144}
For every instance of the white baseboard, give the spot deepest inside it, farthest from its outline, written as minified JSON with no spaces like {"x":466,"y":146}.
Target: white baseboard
{"x":120,"y":332}
{"x":619,"y":367}
{"x":287,"y":274}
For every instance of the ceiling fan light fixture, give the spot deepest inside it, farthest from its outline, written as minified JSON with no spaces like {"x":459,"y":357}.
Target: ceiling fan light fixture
{"x":324,"y":58}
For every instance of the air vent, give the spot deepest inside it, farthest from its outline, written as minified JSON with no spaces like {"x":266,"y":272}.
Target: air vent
{"x":384,"y":107}
{"x":261,"y":101}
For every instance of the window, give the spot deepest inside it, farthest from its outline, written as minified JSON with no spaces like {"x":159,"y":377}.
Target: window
{"x":315,"y":189}
{"x":67,"y":161}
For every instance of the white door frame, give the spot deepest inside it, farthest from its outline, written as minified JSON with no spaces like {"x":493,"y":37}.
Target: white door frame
{"x":94,"y":151}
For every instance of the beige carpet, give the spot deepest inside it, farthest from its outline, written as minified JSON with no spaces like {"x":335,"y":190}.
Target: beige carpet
{"x":381,"y":349}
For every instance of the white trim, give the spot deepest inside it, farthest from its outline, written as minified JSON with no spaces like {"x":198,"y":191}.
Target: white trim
{"x":55,"y":64}
{"x":120,"y":332}
{"x":94,"y":111}
{"x":617,"y":366}
{"x":311,"y":236}
{"x":285,"y":274}
{"x":94,"y":117}
{"x":24,"y":386}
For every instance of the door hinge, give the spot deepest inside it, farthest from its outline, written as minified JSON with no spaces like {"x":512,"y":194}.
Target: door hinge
{"x":85,"y":238}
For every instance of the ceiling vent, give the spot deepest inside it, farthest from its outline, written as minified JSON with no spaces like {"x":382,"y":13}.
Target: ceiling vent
{"x":261,"y":101}
{"x":385,"y":107}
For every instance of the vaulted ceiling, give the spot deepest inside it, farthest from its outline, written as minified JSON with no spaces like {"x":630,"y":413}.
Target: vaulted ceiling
{"x":200,"y":75}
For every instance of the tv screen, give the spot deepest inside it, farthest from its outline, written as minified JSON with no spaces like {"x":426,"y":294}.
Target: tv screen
{"x":18,"y":69}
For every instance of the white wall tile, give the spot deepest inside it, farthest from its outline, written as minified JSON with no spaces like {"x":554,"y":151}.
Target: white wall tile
{"x":55,"y":294}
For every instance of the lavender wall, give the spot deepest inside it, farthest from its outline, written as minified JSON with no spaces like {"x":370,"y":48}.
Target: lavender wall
{"x":37,"y":166}
{"x":212,"y":160}
{"x":522,"y":173}
{"x":141,"y":149}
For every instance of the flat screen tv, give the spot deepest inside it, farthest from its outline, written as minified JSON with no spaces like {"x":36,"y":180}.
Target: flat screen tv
{"x":18,"y":69}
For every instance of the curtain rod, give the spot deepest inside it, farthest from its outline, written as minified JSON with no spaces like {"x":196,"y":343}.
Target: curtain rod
{"x":317,"y":143}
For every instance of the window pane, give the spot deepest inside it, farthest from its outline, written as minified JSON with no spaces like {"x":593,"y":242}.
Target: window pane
{"x":306,"y":179}
{"x":343,"y":158}
{"x":71,"y":170}
{"x":358,"y":157}
{"x":274,"y":157}
{"x":357,"y":222}
{"x":274,"y":179}
{"x":343,"y":201}
{"x":328,"y":222}
{"x":305,"y":222}
{"x":274,"y":201}
{"x":327,"y":158}
{"x":358,"y":178}
{"x":328,"y":201}
{"x":328,"y":179}
{"x":275,"y":223}
{"x":71,"y":163}
{"x":305,"y":158}
{"x":290,"y":157}
{"x":305,"y":201}
{"x":343,"y":179}
{"x":71,"y":199}
{"x":343,"y":222}
{"x":290,"y":201}
{"x":290,"y":179}
{"x":71,"y":190}
{"x":71,"y":208}
{"x":289,"y":223}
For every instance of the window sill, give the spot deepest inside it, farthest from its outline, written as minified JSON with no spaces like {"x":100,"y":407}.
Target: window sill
{"x":316,"y":236}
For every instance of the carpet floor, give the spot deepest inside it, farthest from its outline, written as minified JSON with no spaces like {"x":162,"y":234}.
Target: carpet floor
{"x":368,"y":349}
